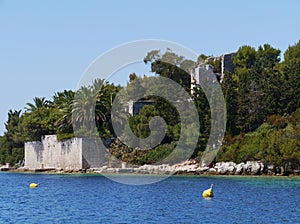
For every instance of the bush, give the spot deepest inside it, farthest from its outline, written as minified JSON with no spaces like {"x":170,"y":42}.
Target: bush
{"x":276,"y":142}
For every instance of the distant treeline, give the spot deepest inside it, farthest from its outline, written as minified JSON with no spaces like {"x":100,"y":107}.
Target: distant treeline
{"x":261,"y":94}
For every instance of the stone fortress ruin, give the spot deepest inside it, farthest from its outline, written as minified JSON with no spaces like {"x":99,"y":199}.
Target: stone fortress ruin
{"x":72,"y":154}
{"x":226,"y":66}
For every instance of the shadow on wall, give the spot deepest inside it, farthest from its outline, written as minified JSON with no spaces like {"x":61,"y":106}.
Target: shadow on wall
{"x":72,"y":154}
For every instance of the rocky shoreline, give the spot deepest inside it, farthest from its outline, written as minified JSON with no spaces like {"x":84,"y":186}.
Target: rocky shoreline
{"x":193,"y":168}
{"x":190,"y":167}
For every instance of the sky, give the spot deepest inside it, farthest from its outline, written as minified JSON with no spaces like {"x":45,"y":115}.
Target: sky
{"x":45,"y":46}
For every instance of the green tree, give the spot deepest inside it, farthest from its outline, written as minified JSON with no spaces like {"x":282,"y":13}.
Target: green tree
{"x":105,"y":99}
{"x":39,"y":119}
{"x":275,"y":142}
{"x":257,"y":81}
{"x":171,"y":65}
{"x":38,"y":123}
{"x":291,"y":72}
{"x":203,"y":108}
{"x":230,"y":91}
{"x":63,"y":101}
{"x":292,"y":53}
{"x":12,"y":138}
{"x":245,"y":57}
{"x":92,"y":106}
{"x":38,"y":102}
{"x":84,"y":109}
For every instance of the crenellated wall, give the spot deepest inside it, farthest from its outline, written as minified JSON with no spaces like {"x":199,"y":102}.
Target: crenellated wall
{"x":72,"y":154}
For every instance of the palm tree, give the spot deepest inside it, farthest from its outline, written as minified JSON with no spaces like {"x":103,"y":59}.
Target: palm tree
{"x":104,"y":107}
{"x":38,"y":102}
{"x":93,"y":104}
{"x":63,"y":101}
{"x":119,"y":112}
{"x":101,"y":90}
{"x":83,"y":111}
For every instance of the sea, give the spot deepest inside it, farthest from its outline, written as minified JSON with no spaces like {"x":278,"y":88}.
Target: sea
{"x":91,"y":198}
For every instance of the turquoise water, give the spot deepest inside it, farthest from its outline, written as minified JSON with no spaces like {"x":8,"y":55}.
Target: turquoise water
{"x":96,"y":199}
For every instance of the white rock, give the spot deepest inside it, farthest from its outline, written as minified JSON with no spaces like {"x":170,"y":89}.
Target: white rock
{"x":212,"y":170}
{"x":239,"y":168}
{"x":252,"y":167}
{"x":225,"y":167}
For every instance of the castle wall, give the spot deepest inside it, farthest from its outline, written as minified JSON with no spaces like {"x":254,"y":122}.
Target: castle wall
{"x":33,"y":155}
{"x":72,"y":154}
{"x":93,"y":153}
{"x":227,"y":63}
{"x":53,"y":154}
{"x":226,"y":66}
{"x":200,"y":74}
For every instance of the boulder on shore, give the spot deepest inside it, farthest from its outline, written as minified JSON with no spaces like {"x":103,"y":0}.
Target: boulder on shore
{"x":225,"y":167}
{"x":231,"y":168}
{"x":193,"y":167}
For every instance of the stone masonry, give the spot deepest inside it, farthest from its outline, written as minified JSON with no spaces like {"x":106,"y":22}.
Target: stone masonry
{"x":72,"y":154}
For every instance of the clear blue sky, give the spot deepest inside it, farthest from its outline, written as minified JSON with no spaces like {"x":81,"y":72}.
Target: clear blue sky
{"x":45,"y":46}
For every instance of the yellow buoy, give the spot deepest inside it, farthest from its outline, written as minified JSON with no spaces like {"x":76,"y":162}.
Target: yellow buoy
{"x":33,"y":185}
{"x":208,"y":193}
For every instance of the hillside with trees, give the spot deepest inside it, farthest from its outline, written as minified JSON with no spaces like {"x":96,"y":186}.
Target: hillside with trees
{"x":261,"y":94}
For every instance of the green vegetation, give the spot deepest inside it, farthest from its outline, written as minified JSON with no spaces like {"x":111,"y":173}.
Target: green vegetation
{"x":276,"y":142}
{"x":261,"y":94}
